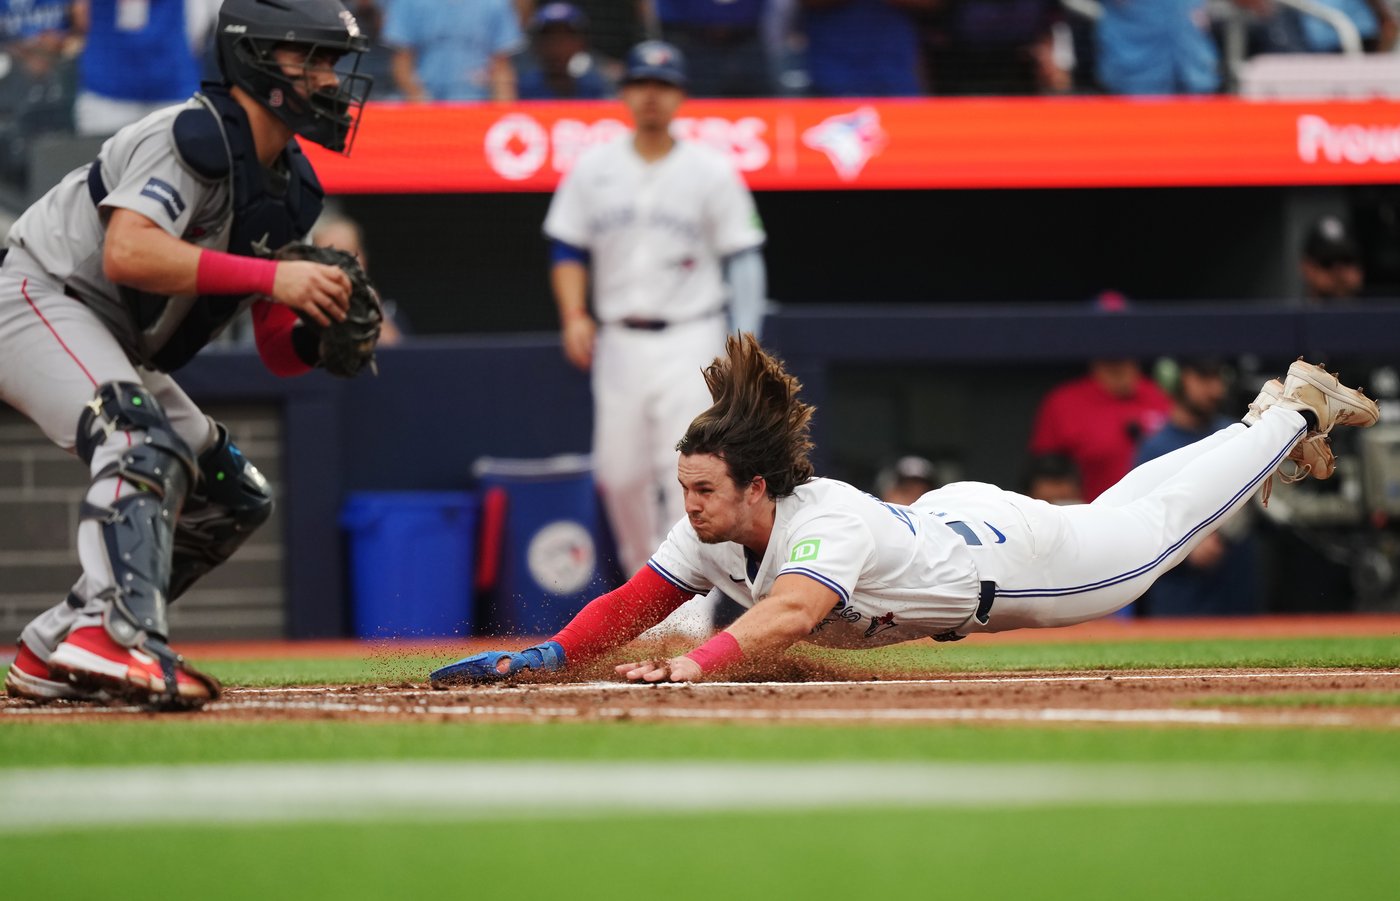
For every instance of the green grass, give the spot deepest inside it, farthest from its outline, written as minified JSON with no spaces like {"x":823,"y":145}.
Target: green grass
{"x":1284,"y":851}
{"x":385,"y":667}
{"x":160,"y":740}
{"x":1143,"y":851}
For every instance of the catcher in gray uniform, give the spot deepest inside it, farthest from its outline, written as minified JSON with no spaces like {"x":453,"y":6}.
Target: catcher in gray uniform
{"x":117,"y":277}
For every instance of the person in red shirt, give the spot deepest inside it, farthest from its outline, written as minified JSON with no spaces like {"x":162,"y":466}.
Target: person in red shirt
{"x":1098,"y":421}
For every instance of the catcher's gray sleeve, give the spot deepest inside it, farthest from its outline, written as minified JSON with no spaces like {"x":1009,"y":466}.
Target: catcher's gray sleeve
{"x":748,"y":288}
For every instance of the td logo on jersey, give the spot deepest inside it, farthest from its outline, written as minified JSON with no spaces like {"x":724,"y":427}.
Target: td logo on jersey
{"x":806,"y":550}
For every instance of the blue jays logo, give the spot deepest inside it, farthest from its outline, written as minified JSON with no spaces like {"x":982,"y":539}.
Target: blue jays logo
{"x":880,"y":624}
{"x":653,"y":55}
{"x":849,"y":140}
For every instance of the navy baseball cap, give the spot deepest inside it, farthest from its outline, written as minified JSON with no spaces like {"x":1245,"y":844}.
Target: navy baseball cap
{"x":655,"y":61}
{"x":559,"y":14}
{"x":1330,"y":241}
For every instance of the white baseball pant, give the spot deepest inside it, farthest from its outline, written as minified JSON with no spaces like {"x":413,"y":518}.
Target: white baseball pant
{"x":1060,"y":565}
{"x":54,"y":353}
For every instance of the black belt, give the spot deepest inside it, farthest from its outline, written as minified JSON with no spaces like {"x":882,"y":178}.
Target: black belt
{"x":986,"y":592}
{"x":659,"y":325}
{"x":644,"y":325}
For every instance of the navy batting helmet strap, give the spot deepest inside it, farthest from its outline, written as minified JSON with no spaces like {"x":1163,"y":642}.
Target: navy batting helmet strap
{"x":249,"y":32}
{"x":655,"y":61}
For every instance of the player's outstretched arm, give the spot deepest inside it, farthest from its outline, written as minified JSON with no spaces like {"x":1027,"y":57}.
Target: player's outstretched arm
{"x":605,"y":623}
{"x":770,"y":627}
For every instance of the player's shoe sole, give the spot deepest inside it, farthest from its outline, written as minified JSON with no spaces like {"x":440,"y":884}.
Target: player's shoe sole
{"x":1312,"y":455}
{"x":31,"y":679}
{"x":1311,"y":387}
{"x":92,"y":660}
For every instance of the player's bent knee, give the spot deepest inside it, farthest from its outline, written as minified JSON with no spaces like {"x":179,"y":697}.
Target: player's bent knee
{"x":158,"y":460}
{"x":135,"y":526}
{"x":231,"y":500}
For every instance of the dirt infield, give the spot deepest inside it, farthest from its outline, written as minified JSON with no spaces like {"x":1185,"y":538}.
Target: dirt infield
{"x":1164,"y":697}
{"x":798,"y":690}
{"x":1195,"y":697}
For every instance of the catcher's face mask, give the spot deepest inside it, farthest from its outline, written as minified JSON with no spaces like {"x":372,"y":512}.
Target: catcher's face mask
{"x":314,"y":88}
{"x":284,"y":54}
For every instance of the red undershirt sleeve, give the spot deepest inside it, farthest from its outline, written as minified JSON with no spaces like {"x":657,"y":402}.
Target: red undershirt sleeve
{"x":620,"y":616}
{"x":272,"y":329}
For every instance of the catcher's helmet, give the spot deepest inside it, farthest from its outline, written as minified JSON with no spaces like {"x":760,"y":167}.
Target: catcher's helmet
{"x":249,"y":32}
{"x":655,"y":61}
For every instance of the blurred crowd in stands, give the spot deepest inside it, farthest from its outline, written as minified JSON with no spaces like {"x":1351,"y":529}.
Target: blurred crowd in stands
{"x":96,"y":64}
{"x":90,"y":66}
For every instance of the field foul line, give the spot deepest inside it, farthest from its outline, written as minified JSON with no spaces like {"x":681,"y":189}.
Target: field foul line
{"x":96,"y":797}
{"x":1136,"y":716}
{"x":878,"y":714}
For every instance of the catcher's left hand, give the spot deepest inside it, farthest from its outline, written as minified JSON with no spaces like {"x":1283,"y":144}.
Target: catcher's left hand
{"x":346,"y":347}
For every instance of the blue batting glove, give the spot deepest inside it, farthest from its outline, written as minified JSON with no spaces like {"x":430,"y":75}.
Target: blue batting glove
{"x":482,"y":667}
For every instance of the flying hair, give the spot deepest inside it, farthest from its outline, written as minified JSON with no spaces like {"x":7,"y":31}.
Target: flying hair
{"x":756,"y":423}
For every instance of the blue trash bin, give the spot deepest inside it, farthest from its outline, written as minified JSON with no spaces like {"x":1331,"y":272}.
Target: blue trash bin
{"x":553,"y":531}
{"x":412,"y":558}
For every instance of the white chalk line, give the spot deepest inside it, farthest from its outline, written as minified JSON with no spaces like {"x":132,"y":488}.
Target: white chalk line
{"x":878,"y":714}
{"x":78,"y":797}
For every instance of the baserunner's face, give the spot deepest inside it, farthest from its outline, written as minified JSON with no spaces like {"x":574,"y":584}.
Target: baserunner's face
{"x":718,"y":509}
{"x":310,"y":72}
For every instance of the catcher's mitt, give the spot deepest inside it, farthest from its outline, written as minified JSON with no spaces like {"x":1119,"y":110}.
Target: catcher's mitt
{"x":345,"y":347}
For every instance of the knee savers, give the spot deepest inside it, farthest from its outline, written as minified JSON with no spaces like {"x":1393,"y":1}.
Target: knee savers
{"x":127,"y":423}
{"x":227,"y":505}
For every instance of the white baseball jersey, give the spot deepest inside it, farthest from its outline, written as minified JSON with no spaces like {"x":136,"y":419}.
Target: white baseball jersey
{"x":897,"y":574}
{"x":657,"y":232}
{"x":906,"y":572}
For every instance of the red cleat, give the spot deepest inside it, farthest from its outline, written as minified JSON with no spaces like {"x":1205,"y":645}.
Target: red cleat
{"x":31,"y":679}
{"x":142,"y":674}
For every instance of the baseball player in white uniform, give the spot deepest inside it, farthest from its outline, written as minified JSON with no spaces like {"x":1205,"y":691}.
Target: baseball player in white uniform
{"x":123,"y":272}
{"x":670,"y":236}
{"x":818,"y":560}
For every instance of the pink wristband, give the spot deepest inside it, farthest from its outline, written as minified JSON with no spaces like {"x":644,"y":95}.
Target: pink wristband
{"x":227,"y":273}
{"x":721,"y":651}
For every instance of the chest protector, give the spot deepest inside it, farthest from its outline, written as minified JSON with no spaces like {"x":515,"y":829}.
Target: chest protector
{"x":269,"y":209}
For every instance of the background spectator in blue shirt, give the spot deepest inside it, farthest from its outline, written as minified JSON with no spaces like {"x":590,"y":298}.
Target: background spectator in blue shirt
{"x":453,"y":49}
{"x":1157,"y":47}
{"x":722,"y":42}
{"x":560,"y":65}
{"x":1374,"y":19}
{"x":36,"y":78}
{"x":864,"y":48}
{"x":33,"y":34}
{"x":139,"y":56}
